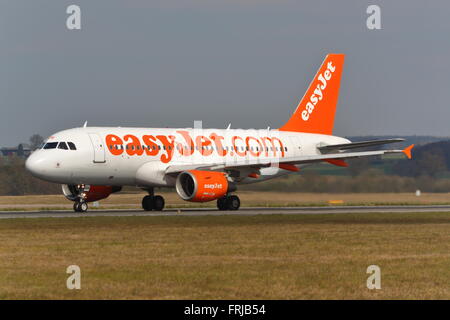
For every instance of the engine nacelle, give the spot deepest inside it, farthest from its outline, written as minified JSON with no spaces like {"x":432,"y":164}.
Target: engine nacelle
{"x":202,"y":186}
{"x":88,"y":193}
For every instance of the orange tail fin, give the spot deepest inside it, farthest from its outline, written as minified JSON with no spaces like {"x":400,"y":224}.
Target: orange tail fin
{"x":315,"y":112}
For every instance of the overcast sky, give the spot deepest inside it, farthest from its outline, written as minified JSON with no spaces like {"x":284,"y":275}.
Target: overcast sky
{"x":248,"y":62}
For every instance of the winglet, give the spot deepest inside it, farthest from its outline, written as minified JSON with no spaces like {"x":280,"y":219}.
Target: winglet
{"x":407,"y":151}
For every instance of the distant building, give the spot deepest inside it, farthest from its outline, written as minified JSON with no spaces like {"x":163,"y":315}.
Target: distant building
{"x":22,"y":150}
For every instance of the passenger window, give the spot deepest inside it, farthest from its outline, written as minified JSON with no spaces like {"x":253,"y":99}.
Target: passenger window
{"x":50,"y":145}
{"x":63,"y":145}
{"x":72,"y":146}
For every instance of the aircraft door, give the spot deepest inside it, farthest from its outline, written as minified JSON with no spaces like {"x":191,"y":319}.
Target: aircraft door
{"x":295,"y":146}
{"x":99,"y":148}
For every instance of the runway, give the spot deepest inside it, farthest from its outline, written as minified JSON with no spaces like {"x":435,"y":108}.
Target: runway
{"x":212,"y":212}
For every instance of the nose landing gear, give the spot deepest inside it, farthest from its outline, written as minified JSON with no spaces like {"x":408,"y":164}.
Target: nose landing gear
{"x":228,"y":203}
{"x":80,"y":206}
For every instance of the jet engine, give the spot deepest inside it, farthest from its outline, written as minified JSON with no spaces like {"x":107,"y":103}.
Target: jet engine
{"x":88,"y":193}
{"x":202,"y":186}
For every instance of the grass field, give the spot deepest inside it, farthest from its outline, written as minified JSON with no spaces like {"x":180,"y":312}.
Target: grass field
{"x":228,"y":257}
{"x":248,"y":198}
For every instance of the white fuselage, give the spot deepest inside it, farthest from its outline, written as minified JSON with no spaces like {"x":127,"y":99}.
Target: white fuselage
{"x":140,"y":156}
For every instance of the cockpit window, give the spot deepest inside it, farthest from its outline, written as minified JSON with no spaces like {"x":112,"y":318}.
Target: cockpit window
{"x":50,"y":145}
{"x":60,"y":145}
{"x":72,"y":146}
{"x":63,"y":145}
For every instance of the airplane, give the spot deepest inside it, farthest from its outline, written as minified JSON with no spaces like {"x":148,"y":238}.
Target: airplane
{"x":201,"y":164}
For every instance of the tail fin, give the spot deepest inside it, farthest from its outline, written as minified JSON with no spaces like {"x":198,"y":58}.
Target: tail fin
{"x":315,"y":112}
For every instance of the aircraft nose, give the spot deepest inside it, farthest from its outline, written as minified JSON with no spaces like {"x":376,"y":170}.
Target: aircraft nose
{"x":35,"y":164}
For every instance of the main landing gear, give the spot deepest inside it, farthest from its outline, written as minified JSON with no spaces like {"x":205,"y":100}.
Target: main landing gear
{"x":152,"y":202}
{"x":228,"y":203}
{"x":80,"y":206}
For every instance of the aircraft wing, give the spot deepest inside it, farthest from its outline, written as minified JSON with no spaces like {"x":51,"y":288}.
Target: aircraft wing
{"x":359,"y":144}
{"x":267,"y":162}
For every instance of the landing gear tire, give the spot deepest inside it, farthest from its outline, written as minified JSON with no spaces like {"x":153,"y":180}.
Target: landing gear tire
{"x":147,"y":203}
{"x":80,"y":207}
{"x":158,"y":203}
{"x":228,"y":203}
{"x":233,"y":202}
{"x":150,"y":203}
{"x":222,"y":203}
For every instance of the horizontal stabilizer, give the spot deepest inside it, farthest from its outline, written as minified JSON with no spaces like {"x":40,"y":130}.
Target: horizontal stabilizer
{"x":360,"y":144}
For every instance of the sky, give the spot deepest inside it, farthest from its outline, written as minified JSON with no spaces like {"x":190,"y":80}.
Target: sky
{"x":245,"y":62}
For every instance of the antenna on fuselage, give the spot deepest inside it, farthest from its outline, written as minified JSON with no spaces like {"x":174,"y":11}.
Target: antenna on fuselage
{"x":85,"y":124}
{"x":229,"y":126}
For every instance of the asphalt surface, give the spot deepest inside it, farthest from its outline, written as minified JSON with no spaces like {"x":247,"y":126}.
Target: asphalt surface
{"x":208,"y":211}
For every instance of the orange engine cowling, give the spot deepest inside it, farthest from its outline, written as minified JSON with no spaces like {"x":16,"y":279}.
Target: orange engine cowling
{"x":202,"y":186}
{"x":88,"y":193}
